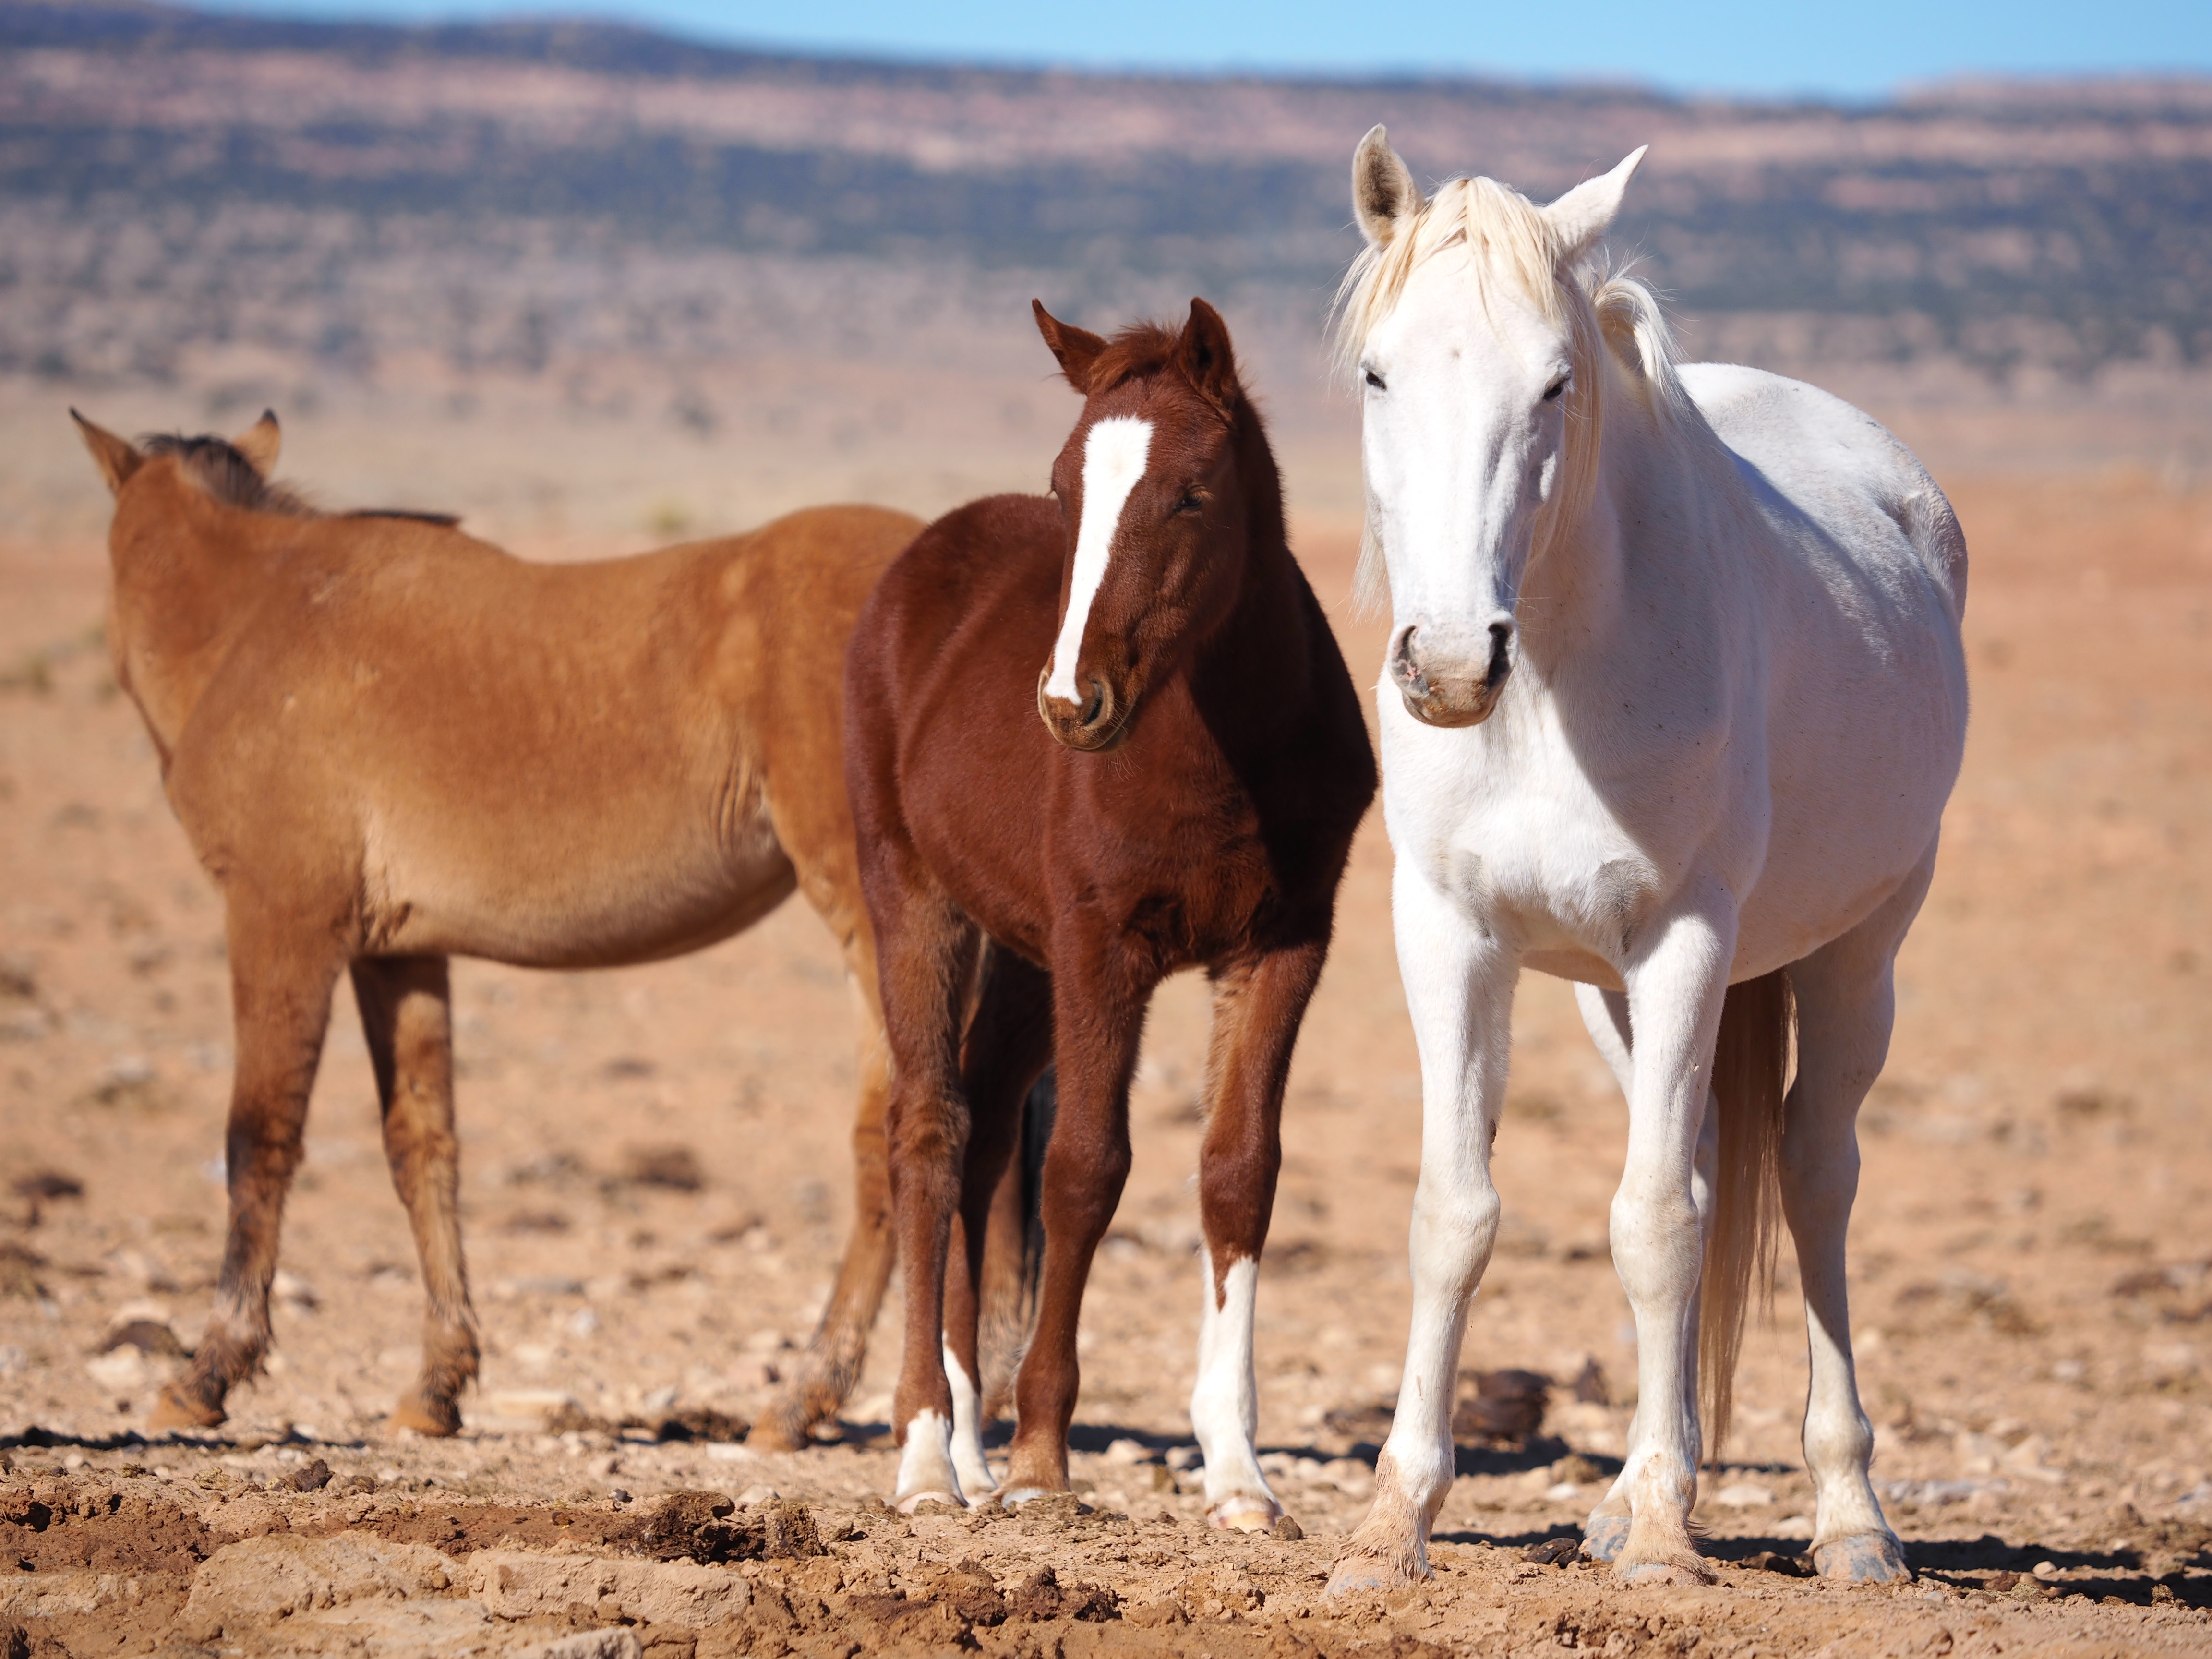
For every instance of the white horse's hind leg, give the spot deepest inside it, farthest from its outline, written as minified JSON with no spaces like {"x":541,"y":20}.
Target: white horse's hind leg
{"x":1845,"y":1004}
{"x":1659,"y":1216}
{"x":1459,"y":986}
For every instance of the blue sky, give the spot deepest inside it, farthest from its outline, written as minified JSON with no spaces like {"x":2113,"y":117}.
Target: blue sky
{"x":1843,"y":48}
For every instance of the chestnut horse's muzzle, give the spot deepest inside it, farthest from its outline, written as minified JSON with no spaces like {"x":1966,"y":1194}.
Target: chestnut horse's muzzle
{"x":1098,"y":723}
{"x":1449,"y":676}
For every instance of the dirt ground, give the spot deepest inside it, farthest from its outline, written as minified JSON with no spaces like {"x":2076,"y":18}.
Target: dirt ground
{"x":655,"y":1189}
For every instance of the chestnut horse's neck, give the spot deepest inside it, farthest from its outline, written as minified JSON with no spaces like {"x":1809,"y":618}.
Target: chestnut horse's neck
{"x":1263,"y":637}
{"x":187,"y":570}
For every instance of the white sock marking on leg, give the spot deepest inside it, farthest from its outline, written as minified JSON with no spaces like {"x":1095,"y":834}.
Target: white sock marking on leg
{"x":1114,"y":455}
{"x":1225,"y":1403}
{"x":925,"y":1464}
{"x":967,"y":1431}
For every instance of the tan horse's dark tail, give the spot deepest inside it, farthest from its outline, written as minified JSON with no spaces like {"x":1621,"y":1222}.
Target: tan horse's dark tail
{"x":1013,"y":1253}
{"x":1751,"y":1063}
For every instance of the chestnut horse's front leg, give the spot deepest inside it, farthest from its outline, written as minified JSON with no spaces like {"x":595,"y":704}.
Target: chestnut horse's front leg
{"x":1258,"y":1006}
{"x":282,"y":970}
{"x":1098,"y":1015}
{"x":406,"y":1018}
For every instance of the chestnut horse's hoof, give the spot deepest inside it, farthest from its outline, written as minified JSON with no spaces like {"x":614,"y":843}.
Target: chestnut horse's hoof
{"x":1864,"y":1558}
{"x":176,"y":1409}
{"x":425,"y":1414}
{"x":1244,"y":1514}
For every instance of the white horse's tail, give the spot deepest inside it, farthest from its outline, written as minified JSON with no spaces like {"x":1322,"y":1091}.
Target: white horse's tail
{"x":1751,"y":1063}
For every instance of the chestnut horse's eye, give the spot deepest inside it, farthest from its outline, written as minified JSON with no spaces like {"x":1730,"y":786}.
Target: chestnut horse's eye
{"x":1192,"y":501}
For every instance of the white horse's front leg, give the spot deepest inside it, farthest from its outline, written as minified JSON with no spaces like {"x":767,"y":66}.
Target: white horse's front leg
{"x":1675,"y":996}
{"x":1605,"y":1016}
{"x":1459,"y":986}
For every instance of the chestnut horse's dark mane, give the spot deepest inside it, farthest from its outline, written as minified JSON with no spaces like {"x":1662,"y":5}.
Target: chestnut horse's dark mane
{"x":219,"y":468}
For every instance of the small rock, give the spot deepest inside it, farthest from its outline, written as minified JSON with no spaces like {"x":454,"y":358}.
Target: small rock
{"x":312,"y":1477}
{"x":1288,"y":1529}
{"x":1552,"y":1552}
{"x":1575,"y":1470}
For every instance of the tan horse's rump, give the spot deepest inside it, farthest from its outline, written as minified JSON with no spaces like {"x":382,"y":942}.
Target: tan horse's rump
{"x":390,"y":742}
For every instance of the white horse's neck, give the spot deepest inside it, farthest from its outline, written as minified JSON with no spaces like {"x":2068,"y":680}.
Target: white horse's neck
{"x":1573,"y":597}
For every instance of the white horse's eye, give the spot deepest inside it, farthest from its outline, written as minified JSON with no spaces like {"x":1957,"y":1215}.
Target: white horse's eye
{"x":1375,"y":380}
{"x":1552,"y":391}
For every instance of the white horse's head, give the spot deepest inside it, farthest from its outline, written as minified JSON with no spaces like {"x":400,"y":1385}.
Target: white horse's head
{"x":1477,"y":354}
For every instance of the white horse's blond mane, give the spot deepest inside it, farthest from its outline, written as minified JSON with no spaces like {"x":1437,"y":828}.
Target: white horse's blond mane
{"x":1513,"y":247}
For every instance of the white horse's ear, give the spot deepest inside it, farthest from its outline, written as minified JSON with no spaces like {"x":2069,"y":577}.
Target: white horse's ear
{"x":1586,"y":212}
{"x":259,"y":442}
{"x":1383,"y":189}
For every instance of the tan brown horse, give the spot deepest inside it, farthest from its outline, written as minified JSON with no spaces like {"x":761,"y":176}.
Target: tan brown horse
{"x":391,"y":743}
{"x":1187,"y":799}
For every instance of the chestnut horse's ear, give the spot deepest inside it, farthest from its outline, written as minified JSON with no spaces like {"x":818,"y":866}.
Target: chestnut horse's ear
{"x":259,"y":442}
{"x":1205,"y":357}
{"x":1078,"y":348}
{"x":1382,"y":188}
{"x":114,"y":457}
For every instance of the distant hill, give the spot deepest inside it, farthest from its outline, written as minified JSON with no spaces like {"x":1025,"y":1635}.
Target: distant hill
{"x":165,"y":174}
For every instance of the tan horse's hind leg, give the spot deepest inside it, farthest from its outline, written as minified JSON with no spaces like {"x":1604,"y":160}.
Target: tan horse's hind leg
{"x":281,"y":980}
{"x":831,"y":1363}
{"x":406,"y":1017}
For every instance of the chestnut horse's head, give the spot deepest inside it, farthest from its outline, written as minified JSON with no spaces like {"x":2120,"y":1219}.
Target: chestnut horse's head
{"x":1157,"y":513}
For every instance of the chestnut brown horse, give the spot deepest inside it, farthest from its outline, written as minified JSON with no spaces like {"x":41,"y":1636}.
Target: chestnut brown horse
{"x":1186,"y":799}
{"x":390,"y":742}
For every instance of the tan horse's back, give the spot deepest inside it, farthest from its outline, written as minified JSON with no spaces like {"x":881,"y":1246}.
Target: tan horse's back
{"x":551,"y":765}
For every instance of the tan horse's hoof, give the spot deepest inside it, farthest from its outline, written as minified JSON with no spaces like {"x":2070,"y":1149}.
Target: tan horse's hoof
{"x":775,"y":1433}
{"x":438,"y":1419}
{"x":178,"y":1411}
{"x":1244,"y":1514}
{"x":1865,"y":1558}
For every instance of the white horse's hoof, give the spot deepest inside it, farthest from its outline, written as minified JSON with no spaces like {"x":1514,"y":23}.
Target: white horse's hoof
{"x":914,"y":1500}
{"x":1646,"y":1574}
{"x":1244,"y":1514}
{"x":1864,"y":1558}
{"x":1364,"y":1574}
{"x":1605,"y":1536}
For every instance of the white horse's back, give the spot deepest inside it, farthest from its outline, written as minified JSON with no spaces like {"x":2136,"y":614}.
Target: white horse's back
{"x":1834,"y":461}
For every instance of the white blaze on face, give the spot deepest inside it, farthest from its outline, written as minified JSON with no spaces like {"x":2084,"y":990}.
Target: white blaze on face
{"x":1114,"y":456}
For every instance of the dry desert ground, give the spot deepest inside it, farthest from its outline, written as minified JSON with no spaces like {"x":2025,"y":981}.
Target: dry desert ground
{"x":654,"y":1188}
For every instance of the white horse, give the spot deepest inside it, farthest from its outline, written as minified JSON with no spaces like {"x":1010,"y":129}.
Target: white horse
{"x":1673,"y":699}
